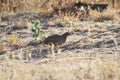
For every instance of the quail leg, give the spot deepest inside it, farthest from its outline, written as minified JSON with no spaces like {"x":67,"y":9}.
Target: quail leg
{"x":51,"y":50}
{"x":57,"y":48}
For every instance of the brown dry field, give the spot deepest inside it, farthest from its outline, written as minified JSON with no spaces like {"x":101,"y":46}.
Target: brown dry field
{"x":92,"y":52}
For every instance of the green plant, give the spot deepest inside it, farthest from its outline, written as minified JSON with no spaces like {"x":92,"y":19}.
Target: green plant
{"x":36,"y":29}
{"x":13,"y":39}
{"x":33,"y":72}
{"x":70,"y":24}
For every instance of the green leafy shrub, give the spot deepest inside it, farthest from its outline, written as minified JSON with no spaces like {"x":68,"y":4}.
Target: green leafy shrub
{"x":36,"y":29}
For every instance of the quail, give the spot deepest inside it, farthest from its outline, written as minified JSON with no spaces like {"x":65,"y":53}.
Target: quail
{"x":56,"y":40}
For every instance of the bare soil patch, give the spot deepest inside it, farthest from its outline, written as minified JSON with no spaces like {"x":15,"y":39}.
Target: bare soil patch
{"x":91,"y":53}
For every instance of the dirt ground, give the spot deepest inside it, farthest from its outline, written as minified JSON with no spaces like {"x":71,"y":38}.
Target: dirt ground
{"x":92,"y":52}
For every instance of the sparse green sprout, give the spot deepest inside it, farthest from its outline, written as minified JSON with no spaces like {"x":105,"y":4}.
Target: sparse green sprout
{"x":45,"y":34}
{"x":69,"y":24}
{"x":13,"y":39}
{"x":36,"y":29}
{"x":33,"y":72}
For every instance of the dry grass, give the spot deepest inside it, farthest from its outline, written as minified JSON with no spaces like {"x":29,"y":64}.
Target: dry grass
{"x":44,"y":7}
{"x":65,"y":17}
{"x":63,"y":69}
{"x":109,"y":14}
{"x":62,"y":11}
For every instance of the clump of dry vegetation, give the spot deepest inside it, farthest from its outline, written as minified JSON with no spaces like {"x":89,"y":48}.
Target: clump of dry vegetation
{"x":47,"y":7}
{"x":109,"y":14}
